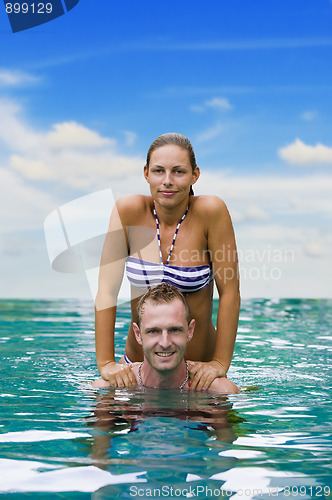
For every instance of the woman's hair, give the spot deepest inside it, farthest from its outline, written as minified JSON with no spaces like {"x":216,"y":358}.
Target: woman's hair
{"x":177,"y":140}
{"x":163,"y":293}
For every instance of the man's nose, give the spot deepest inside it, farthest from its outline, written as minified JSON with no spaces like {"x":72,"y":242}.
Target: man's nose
{"x":164,"y":339}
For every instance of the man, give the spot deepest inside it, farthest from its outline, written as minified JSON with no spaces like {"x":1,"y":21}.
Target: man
{"x":163,"y":330}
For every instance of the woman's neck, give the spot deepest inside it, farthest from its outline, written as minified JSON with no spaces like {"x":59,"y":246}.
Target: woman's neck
{"x":170,"y":216}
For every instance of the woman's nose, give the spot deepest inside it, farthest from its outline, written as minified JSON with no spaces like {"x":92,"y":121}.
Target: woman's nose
{"x":168,"y":179}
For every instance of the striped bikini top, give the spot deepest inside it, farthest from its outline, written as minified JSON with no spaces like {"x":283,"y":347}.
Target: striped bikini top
{"x":142,"y":273}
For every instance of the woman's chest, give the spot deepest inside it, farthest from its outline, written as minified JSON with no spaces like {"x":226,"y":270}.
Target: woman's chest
{"x":185,"y":246}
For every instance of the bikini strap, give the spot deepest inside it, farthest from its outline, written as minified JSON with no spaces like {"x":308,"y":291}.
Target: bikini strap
{"x":174,"y":237}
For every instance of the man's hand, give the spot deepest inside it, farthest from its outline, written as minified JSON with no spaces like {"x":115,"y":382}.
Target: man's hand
{"x":118,"y":374}
{"x":202,"y":374}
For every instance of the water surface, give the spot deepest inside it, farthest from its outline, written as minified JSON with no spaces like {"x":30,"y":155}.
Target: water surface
{"x":61,"y":439}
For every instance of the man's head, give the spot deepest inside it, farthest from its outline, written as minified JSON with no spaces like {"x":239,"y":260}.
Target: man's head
{"x":161,"y":294}
{"x":163,"y":327}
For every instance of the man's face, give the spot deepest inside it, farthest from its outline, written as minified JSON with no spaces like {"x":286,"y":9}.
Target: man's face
{"x":164,"y":333}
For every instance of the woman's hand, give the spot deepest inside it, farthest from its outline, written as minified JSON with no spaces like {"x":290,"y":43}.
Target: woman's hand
{"x":202,"y":374}
{"x":118,"y":374}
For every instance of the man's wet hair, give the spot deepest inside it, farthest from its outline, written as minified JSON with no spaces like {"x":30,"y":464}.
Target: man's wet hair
{"x":163,"y":293}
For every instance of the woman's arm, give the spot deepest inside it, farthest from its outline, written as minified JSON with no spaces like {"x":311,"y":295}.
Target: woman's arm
{"x":222,"y":248}
{"x":114,"y":254}
{"x":223,"y":385}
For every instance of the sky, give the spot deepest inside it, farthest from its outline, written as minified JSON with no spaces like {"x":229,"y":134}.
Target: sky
{"x":83,"y":96}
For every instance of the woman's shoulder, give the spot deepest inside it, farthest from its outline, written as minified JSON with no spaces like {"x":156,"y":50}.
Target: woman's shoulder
{"x":132,"y":205}
{"x":224,"y":386}
{"x":133,"y":202}
{"x":209,"y":205}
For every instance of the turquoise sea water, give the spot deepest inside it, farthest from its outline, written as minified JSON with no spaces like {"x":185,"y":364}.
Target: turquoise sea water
{"x":61,"y":439}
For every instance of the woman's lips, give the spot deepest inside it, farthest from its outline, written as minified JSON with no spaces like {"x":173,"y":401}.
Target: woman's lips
{"x":166,"y":192}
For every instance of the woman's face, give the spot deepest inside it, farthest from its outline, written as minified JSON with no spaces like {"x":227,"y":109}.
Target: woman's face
{"x":170,"y":174}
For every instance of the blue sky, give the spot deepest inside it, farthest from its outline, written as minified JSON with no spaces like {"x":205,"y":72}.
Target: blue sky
{"x":82,"y":98}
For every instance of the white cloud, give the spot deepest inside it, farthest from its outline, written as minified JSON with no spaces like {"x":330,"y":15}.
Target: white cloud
{"x":31,"y":169}
{"x":23,"y":206}
{"x":314,"y":249}
{"x":309,"y":115}
{"x":255,"y":198}
{"x":253,"y":212}
{"x":15,"y":133}
{"x":299,"y":153}
{"x":277,"y":260}
{"x":197,"y":108}
{"x":69,"y":154}
{"x":130,"y":137}
{"x":10,"y":78}
{"x":72,"y":134}
{"x":211,"y":133}
{"x":217,"y":103}
{"x":272,"y":216}
{"x":220,"y":103}
{"x":234,"y":45}
{"x":75,"y":169}
{"x":278,"y":216}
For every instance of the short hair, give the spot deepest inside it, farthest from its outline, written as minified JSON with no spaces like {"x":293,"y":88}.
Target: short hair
{"x":163,"y":293}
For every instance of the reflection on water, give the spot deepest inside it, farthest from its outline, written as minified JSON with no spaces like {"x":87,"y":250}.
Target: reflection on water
{"x":152,"y":413}
{"x":61,"y":438}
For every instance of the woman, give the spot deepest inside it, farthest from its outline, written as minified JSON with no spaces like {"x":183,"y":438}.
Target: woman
{"x":180,"y":238}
